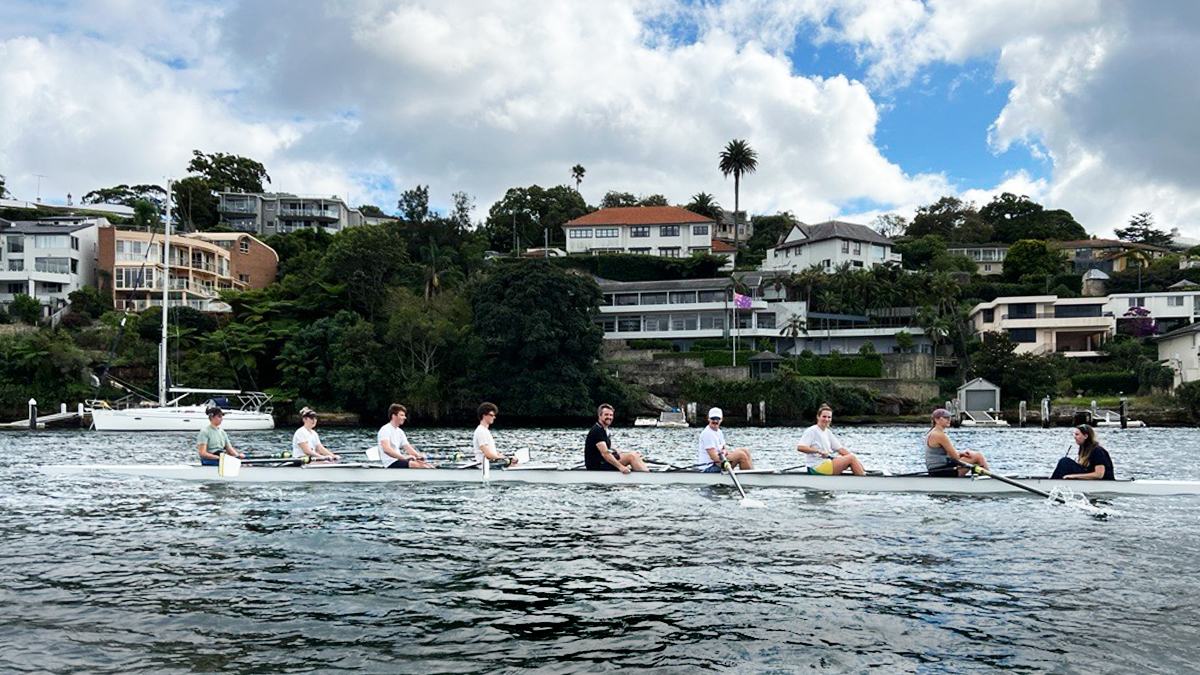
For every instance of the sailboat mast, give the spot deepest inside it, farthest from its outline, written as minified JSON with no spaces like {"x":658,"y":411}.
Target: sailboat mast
{"x":166,"y":282}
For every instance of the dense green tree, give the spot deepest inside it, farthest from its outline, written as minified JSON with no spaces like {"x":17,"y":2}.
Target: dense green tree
{"x":920,"y":252}
{"x":1013,"y":218}
{"x":310,"y":361}
{"x":89,"y":301}
{"x":196,"y":195}
{"x":954,"y":220}
{"x":1032,"y":258}
{"x":363,"y":261}
{"x":414,"y":204}
{"x":195,"y":204}
{"x":128,"y":195}
{"x":1141,"y":230}
{"x":431,"y":344}
{"x":737,"y":159}
{"x":25,"y":309}
{"x":145,"y":215}
{"x":372,"y":211}
{"x":890,"y":225}
{"x":614,"y":199}
{"x":769,"y":229}
{"x":532,"y":210}
{"x":539,"y":339}
{"x":44,"y":365}
{"x":1021,"y":377}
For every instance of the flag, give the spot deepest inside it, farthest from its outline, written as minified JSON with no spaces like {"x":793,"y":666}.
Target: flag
{"x":741,"y":301}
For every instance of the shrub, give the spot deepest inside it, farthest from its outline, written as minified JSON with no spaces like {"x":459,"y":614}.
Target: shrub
{"x":1093,"y":384}
{"x":1189,"y":395}
{"x":25,"y":309}
{"x":651,"y":343}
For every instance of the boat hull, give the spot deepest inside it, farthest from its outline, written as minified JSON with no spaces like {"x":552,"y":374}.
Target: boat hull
{"x":176,"y":418}
{"x":554,"y":476}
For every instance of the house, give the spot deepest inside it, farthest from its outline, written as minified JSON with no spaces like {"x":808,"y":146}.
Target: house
{"x":1107,"y":255}
{"x":1167,"y":309}
{"x":684,"y":311}
{"x":667,"y":231}
{"x":1041,"y":324}
{"x":266,"y":214}
{"x":47,"y":259}
{"x":724,"y":229}
{"x":1180,"y":350}
{"x":829,"y":245}
{"x":131,"y":268}
{"x":988,"y":258}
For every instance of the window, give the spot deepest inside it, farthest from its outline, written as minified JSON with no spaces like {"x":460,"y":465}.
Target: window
{"x":132,"y":278}
{"x":51,"y":287}
{"x":858,"y":248}
{"x":712,"y":321}
{"x":627,"y":299}
{"x":244,"y":245}
{"x":16,"y":264}
{"x":244,"y":278}
{"x":699,"y":230}
{"x":989,"y":315}
{"x":711,"y":296}
{"x":581,"y":233}
{"x":639,"y":231}
{"x":1075,"y":311}
{"x":74,"y":267}
{"x":607,"y":232}
{"x":1137,"y":302}
{"x":640,"y":251}
{"x":13,"y":289}
{"x":608,"y":323}
{"x":1175,"y":301}
{"x":689,"y":297}
{"x":856,"y":263}
{"x":1025,"y":335}
{"x":51,"y":241}
{"x":74,"y":243}
{"x":629,"y":324}
{"x":845,"y":246}
{"x":683,"y":323}
{"x":16,"y":244}
{"x":669,"y":252}
{"x":765,"y":320}
{"x":658,"y":323}
{"x":668,"y":231}
{"x":654,"y":298}
{"x":699,"y":249}
{"x":1024,"y":310}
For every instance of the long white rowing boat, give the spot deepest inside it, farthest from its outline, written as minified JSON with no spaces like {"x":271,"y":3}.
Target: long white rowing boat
{"x":358,"y":473}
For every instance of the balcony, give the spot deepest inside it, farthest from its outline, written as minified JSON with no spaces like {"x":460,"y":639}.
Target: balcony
{"x":247,"y":208}
{"x":311,"y":213}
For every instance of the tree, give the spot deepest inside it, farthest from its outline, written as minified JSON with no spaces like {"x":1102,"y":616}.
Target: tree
{"x":529,"y":211}
{"x":414,"y":204}
{"x":1032,"y":258}
{"x":539,"y":339}
{"x":613,"y":199}
{"x":794,"y":327}
{"x":954,"y":220}
{"x":25,"y":309}
{"x":1141,"y":230}
{"x":127,"y":195}
{"x":577,"y":172}
{"x":372,"y":211}
{"x":196,"y":195}
{"x":704,"y":204}
{"x":195,"y":205}
{"x":1013,"y":218}
{"x":890,"y":225}
{"x":738,"y":158}
{"x":362,"y":262}
{"x":145,"y":214}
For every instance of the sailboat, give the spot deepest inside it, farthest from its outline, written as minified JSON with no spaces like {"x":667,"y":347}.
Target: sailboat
{"x":251,"y":411}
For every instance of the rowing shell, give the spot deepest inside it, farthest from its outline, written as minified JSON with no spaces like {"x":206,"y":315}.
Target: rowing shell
{"x":313,"y":473}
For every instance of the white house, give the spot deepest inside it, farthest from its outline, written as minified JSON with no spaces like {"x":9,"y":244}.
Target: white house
{"x":988,"y":258}
{"x":1180,"y":350}
{"x":1040,"y":324}
{"x":667,"y":231}
{"x":47,"y":259}
{"x":828,"y":245}
{"x":1170,"y":308}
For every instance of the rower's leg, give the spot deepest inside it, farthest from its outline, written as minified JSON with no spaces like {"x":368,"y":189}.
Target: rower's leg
{"x":633,"y":460}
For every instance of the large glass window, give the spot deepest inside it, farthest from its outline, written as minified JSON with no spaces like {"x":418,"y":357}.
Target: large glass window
{"x":712,"y":321}
{"x":1023,"y":310}
{"x":1075,"y":311}
{"x":668,"y":231}
{"x":16,"y":264}
{"x":581,"y":233}
{"x":629,"y":324}
{"x":1023,"y":334}
{"x":607,"y":232}
{"x":711,"y":296}
{"x":625,"y":299}
{"x":53,"y":265}
{"x":654,"y":298}
{"x":689,"y":297}
{"x":658,"y":323}
{"x":639,"y":231}
{"x":699,"y":230}
{"x":51,"y":241}
{"x":669,"y":252}
{"x":683,"y":323}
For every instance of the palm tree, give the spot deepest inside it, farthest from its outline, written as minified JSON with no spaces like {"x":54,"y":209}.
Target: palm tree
{"x":793,"y":328}
{"x":577,"y":172}
{"x":737,"y":158}
{"x":705,"y":205}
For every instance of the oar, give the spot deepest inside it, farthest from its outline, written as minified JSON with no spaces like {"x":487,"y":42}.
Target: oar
{"x":974,"y":468}
{"x":746,"y":501}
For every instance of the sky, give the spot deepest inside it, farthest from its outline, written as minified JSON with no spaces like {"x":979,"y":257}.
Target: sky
{"x":856,"y":108}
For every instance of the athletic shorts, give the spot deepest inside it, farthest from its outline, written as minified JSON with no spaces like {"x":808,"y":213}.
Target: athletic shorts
{"x":398,"y":464}
{"x":204,"y":461}
{"x":948,"y":471}
{"x":824,"y":468}
{"x":711,"y":468}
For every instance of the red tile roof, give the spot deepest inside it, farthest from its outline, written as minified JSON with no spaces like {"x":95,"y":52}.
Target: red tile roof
{"x":722,"y":247}
{"x":640,"y":215}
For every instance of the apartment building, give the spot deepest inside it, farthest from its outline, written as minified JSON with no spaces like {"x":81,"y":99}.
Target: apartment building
{"x":667,"y":231}
{"x":282,"y":213}
{"x":47,"y":259}
{"x":1106,"y":255}
{"x":131,"y":269}
{"x":829,"y":245}
{"x":988,"y":258}
{"x":1042,"y":324}
{"x":250,"y":261}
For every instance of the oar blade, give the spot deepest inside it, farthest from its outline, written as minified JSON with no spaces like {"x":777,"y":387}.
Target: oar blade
{"x":749,"y":503}
{"x":228,"y":466}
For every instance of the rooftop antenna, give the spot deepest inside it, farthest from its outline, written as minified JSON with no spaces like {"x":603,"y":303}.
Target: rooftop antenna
{"x":39,"y":189}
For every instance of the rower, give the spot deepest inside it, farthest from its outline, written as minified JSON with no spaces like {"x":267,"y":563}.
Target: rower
{"x":941,"y":459}
{"x":485,"y":445}
{"x":395,"y":452}
{"x":598,"y":451}
{"x":306,"y":442}
{"x":712,"y":450}
{"x":823,"y":452}
{"x":213,"y":437}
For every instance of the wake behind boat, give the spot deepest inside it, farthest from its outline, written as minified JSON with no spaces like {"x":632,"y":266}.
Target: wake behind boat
{"x":550,"y":475}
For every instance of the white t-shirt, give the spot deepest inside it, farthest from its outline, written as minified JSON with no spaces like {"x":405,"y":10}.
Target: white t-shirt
{"x":709,"y":438}
{"x":303,"y":435}
{"x":823,"y":440}
{"x":395,"y":436}
{"x":483,"y":436}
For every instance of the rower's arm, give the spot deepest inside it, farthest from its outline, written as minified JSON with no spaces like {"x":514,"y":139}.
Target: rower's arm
{"x":715,"y":454}
{"x":388,"y":450}
{"x":809,"y":450}
{"x":412,"y":452}
{"x":607,"y":454}
{"x":202,"y":448}
{"x":490,"y":452}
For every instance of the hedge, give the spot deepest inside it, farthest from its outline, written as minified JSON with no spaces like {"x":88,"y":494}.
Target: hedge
{"x":651,"y":343}
{"x":631,"y":267}
{"x":836,"y":365}
{"x":1095,"y":384}
{"x":788,"y":396}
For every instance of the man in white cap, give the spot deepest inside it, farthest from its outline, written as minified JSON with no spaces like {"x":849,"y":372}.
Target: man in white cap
{"x":712,"y":450}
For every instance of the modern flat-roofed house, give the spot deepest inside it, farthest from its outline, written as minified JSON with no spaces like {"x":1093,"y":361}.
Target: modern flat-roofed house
{"x":1042,"y":324}
{"x":988,"y":258}
{"x":133,"y":271}
{"x":1106,"y":255}
{"x":47,"y":259}
{"x":667,"y":231}
{"x":829,"y":245}
{"x":271,"y":213}
{"x":1168,"y":309}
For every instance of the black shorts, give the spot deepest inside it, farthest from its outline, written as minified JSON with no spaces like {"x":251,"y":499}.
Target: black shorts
{"x":948,"y":471}
{"x":398,"y":464}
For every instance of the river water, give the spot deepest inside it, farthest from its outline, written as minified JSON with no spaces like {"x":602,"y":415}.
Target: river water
{"x":113,"y":574}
